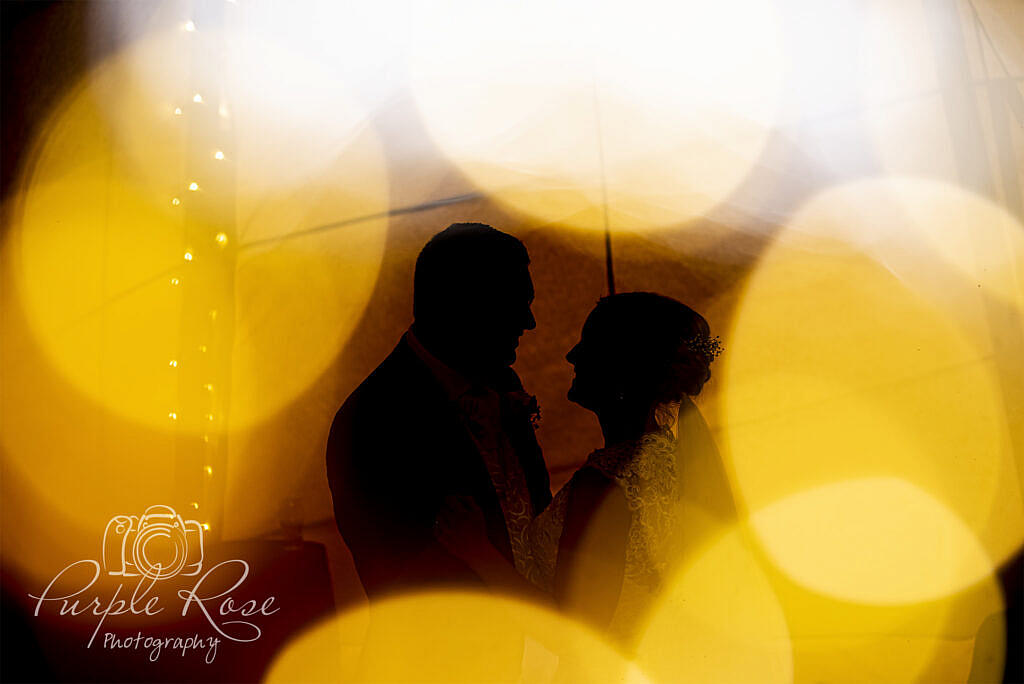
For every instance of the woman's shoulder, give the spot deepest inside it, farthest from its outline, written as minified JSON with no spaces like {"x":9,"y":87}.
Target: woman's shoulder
{"x":649,"y":458}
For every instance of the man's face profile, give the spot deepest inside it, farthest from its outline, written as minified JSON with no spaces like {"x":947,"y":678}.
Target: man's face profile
{"x":498,"y":315}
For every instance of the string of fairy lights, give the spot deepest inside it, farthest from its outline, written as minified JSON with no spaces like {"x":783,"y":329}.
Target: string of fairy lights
{"x":190,"y":257}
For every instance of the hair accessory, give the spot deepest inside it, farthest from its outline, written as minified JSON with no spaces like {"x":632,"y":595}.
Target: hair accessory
{"x":708,"y":347}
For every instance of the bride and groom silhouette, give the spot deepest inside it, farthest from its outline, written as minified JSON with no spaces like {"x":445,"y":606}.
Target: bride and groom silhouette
{"x":436,"y":474}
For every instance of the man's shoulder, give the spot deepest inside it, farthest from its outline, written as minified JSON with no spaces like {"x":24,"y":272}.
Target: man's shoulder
{"x":398,"y":380}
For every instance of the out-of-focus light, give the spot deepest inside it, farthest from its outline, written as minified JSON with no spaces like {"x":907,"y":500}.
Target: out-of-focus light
{"x":218,"y":155}
{"x":197,"y":98}
{"x":208,"y":386}
{"x":591,"y":111}
{"x":343,"y":649}
{"x":190,"y":26}
{"x":689,"y":611}
{"x":910,"y":562}
{"x":188,"y":256}
{"x":202,"y":348}
{"x":209,"y":416}
{"x":193,"y":186}
{"x":208,"y":469}
{"x":195,"y":504}
{"x":206,"y":438}
{"x":223,"y":111}
{"x":175,"y":281}
{"x":177,"y":111}
{"x":919,"y":262}
{"x":213,"y":314}
{"x":175,"y":201}
{"x":274,"y":196}
{"x":206,"y":526}
{"x":173,"y":363}
{"x":222,"y":239}
{"x":172,"y":415}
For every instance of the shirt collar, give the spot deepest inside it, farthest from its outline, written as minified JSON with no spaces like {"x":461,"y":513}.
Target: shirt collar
{"x":452,"y":382}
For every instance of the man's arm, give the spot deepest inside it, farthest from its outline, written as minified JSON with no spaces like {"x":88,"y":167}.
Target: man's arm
{"x":385,"y":500}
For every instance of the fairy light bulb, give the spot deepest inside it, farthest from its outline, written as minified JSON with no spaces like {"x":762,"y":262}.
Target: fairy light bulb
{"x":209,"y":387}
{"x":208,"y":469}
{"x":177,"y":111}
{"x":172,"y":415}
{"x":195,"y":505}
{"x":175,"y":201}
{"x":218,"y":155}
{"x":197,"y":98}
{"x":175,"y":281}
{"x":202,"y":348}
{"x":188,"y":256}
{"x":190,"y":26}
{"x":173,"y":363}
{"x":222,"y":239}
{"x":193,"y":186}
{"x":206,"y":526}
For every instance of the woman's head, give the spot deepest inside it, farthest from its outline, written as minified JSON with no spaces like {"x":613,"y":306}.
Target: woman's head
{"x":640,"y":349}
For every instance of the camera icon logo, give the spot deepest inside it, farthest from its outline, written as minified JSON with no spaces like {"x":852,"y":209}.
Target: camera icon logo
{"x":158,"y":545}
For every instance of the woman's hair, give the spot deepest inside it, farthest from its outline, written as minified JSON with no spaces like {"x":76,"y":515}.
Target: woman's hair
{"x":662,"y":348}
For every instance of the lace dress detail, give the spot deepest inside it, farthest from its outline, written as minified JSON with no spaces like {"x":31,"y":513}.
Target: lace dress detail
{"x":645,"y":471}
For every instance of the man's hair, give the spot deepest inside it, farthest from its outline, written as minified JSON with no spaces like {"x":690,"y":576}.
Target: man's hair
{"x":454,"y":264}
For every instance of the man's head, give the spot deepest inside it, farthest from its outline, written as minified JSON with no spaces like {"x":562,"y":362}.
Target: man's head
{"x":471,"y":297}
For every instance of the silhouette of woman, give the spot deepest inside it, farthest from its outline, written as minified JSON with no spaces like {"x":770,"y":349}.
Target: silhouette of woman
{"x":600,"y":551}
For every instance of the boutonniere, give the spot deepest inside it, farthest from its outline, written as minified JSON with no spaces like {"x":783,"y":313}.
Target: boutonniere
{"x":524,"y":405}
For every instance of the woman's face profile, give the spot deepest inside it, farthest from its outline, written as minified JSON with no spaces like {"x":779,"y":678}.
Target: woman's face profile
{"x":594,"y":364}
{"x":611,"y":352}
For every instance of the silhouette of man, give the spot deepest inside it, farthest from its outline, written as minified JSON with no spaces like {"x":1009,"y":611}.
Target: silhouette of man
{"x":443,"y":415}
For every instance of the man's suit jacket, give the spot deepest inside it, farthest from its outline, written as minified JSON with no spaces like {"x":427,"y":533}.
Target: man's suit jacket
{"x":397,"y":448}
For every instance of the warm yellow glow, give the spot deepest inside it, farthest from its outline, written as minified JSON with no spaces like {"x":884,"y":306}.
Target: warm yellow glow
{"x":175,"y":281}
{"x":100,"y":171}
{"x":666,"y":106}
{"x":719,"y":620}
{"x":221,"y":238}
{"x":197,"y":98}
{"x":206,"y":526}
{"x":867,"y":347}
{"x":175,"y":201}
{"x":193,"y":186}
{"x":202,"y":348}
{"x":208,"y":469}
{"x":190,"y":26}
{"x":173,"y":363}
{"x":195,"y":504}
{"x":172,"y":415}
{"x":451,"y":637}
{"x":177,"y":111}
{"x":218,"y":155}
{"x":878,"y":540}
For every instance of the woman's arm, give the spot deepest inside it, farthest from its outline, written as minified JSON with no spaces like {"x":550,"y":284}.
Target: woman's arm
{"x":592,"y":549}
